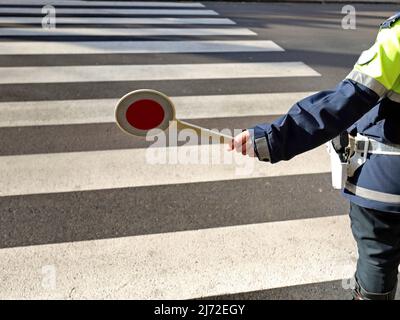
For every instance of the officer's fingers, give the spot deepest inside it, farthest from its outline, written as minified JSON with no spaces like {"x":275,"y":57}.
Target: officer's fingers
{"x":244,"y":149}
{"x":235,"y":144}
{"x":231,"y":145}
{"x":248,"y":149}
{"x":240,"y":140}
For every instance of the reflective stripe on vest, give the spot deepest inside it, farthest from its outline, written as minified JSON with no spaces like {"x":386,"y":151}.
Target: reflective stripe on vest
{"x":367,"y":81}
{"x":381,"y":62}
{"x":394,"y":96}
{"x":372,"y":195}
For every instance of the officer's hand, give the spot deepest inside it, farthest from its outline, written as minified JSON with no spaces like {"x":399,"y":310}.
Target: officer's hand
{"x":242,"y":144}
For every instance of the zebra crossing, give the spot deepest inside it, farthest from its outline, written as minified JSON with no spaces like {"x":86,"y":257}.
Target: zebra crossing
{"x":126,"y":11}
{"x":118,"y":21}
{"x":146,"y":270}
{"x":79,"y":197}
{"x":13,"y":75}
{"x":159,"y":4}
{"x":64,"y":112}
{"x":97,"y":47}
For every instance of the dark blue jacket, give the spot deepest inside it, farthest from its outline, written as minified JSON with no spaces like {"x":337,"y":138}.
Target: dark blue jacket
{"x":367,"y":102}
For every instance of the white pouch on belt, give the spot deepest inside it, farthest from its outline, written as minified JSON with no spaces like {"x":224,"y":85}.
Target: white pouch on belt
{"x":339,"y":168}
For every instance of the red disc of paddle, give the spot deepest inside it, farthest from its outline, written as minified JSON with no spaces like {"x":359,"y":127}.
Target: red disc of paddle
{"x":143,"y":110}
{"x":145,"y":114}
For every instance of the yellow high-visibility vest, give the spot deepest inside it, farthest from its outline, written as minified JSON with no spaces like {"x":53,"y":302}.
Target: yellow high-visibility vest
{"x":378,"y":68}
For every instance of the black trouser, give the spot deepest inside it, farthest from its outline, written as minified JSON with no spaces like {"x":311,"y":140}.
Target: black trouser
{"x":377,"y":234}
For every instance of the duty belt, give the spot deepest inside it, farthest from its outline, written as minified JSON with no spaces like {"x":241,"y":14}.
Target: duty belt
{"x":360,"y":146}
{"x":349,"y":153}
{"x":372,"y":146}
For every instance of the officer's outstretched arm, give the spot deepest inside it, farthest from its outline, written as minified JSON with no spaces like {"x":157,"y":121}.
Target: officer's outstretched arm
{"x":322,"y":116}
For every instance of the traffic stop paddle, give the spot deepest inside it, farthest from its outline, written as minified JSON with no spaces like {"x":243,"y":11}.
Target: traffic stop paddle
{"x":140,"y":111}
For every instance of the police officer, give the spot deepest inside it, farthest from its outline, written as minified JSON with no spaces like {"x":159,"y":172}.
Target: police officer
{"x":367,"y":105}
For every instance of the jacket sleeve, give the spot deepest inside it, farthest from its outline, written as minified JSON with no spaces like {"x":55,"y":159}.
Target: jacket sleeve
{"x":312,"y":121}
{"x":322,"y":116}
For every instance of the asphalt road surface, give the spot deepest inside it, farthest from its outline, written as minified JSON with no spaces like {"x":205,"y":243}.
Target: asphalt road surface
{"x":83,"y":214}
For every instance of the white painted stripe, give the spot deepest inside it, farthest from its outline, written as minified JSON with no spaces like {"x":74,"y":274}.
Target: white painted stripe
{"x":102,"y":3}
{"x":12,"y":75}
{"x":41,"y":113}
{"x":33,"y":32}
{"x":114,"y":11}
{"x":240,"y":105}
{"x":119,"y":20}
{"x":187,"y":264}
{"x":107,"y":47}
{"x":95,"y":170}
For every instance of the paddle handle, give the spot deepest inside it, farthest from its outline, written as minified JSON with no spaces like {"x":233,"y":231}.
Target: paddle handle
{"x":203,"y":131}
